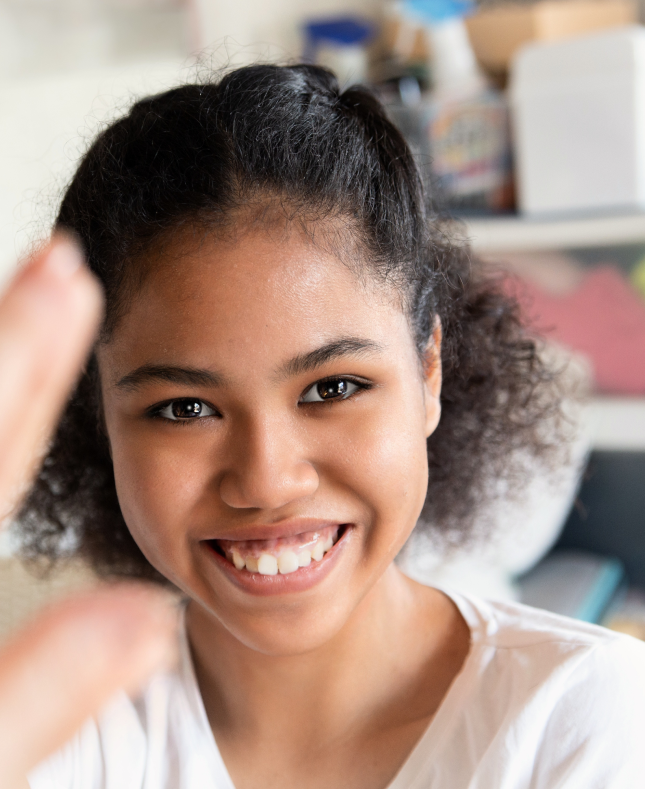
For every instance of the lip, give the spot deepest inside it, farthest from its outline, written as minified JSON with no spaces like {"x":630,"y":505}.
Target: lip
{"x":298,"y":581}
{"x":273,"y":531}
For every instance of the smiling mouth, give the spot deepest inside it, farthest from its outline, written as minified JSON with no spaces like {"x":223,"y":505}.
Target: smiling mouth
{"x":282,"y":555}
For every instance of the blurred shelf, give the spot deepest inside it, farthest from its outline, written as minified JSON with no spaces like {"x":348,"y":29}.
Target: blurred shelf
{"x":505,"y":234}
{"x":616,"y":424}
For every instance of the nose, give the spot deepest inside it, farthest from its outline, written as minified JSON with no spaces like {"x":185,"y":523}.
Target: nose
{"x":266,"y":467}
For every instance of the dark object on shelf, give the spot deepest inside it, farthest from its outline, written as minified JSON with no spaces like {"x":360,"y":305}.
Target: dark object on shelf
{"x":578,"y":584}
{"x":609,"y":517}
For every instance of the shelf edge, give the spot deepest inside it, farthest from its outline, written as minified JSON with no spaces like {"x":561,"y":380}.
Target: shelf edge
{"x":516,"y":234}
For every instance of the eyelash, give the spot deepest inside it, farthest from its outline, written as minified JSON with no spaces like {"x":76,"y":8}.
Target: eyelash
{"x":362,"y":386}
{"x":154,"y":412}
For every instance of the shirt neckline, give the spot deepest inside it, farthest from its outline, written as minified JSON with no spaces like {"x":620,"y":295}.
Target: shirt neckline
{"x":189,"y":680}
{"x":412,"y":773}
{"x":435,"y":734}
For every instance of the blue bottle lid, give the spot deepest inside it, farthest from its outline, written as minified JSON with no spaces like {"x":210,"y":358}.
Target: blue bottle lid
{"x":430,"y":11}
{"x":341,"y":31}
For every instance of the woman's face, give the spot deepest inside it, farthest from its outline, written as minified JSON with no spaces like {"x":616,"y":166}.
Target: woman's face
{"x":267,"y":417}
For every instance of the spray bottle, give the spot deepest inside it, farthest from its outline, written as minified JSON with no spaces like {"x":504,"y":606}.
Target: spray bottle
{"x":464,"y":119}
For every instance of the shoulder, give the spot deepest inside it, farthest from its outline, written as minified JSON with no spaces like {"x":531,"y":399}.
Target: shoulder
{"x":506,"y":625}
{"x":556,"y":648}
{"x":570,"y":695}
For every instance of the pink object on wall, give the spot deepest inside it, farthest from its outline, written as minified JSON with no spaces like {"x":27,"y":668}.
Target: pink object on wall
{"x":604,"y":319}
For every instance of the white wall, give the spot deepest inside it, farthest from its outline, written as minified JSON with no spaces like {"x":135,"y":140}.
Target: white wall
{"x":47,"y":123}
{"x":268,"y":28}
{"x":55,"y":90}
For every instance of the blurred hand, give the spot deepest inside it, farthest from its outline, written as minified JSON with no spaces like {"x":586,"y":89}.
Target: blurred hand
{"x":73,"y":657}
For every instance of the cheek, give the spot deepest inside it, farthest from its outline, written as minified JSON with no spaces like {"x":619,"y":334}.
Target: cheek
{"x":158,"y":484}
{"x":384,"y":460}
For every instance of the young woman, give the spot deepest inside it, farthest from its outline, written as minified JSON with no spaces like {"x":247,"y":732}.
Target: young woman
{"x":295,"y":363}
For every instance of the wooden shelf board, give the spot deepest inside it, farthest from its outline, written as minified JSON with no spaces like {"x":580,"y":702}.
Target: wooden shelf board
{"x":517,"y":234}
{"x":616,"y":424}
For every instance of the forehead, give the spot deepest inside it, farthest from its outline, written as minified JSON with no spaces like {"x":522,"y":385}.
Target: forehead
{"x":255,"y":297}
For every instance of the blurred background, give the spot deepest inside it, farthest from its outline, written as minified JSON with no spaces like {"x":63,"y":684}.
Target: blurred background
{"x":528,"y":122}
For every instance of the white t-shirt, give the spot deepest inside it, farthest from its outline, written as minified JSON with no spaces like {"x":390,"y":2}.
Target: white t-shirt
{"x":541,"y":702}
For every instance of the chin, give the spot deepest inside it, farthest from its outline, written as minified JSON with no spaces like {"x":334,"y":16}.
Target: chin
{"x":286,"y":630}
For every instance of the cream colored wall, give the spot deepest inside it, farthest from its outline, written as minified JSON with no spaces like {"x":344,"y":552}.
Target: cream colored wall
{"x":260,"y":26}
{"x":51,"y":107}
{"x":47,"y":123}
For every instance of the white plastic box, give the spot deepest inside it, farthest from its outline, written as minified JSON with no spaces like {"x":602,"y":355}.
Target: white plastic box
{"x":578,"y":114}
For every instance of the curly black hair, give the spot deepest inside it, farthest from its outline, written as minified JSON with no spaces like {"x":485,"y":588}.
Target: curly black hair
{"x":199,"y":154}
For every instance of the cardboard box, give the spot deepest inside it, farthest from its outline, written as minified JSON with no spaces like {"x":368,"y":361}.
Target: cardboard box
{"x":497,"y":33}
{"x":405,"y":41}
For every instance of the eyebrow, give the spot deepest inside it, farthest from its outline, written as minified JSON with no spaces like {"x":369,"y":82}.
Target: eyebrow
{"x":188,"y":376}
{"x":302,"y":363}
{"x":345,"y":346}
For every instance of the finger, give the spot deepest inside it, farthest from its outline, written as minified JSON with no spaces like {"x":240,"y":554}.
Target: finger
{"x":70,"y":661}
{"x":48,"y":317}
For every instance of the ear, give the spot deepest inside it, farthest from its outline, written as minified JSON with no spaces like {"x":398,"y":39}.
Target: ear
{"x":432,"y":378}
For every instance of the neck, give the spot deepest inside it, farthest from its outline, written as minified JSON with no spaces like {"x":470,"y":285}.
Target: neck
{"x":369,"y":669}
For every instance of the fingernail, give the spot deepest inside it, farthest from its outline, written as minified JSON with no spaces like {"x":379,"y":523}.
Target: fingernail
{"x":64,"y":259}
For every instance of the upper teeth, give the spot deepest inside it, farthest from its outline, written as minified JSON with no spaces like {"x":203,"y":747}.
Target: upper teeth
{"x":267,"y":564}
{"x":287,"y":561}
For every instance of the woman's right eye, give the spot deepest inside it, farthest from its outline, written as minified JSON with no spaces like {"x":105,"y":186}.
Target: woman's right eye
{"x":184,"y":409}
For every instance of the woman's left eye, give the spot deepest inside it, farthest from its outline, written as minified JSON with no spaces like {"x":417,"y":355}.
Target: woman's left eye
{"x":336,"y":389}
{"x":184,"y":409}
